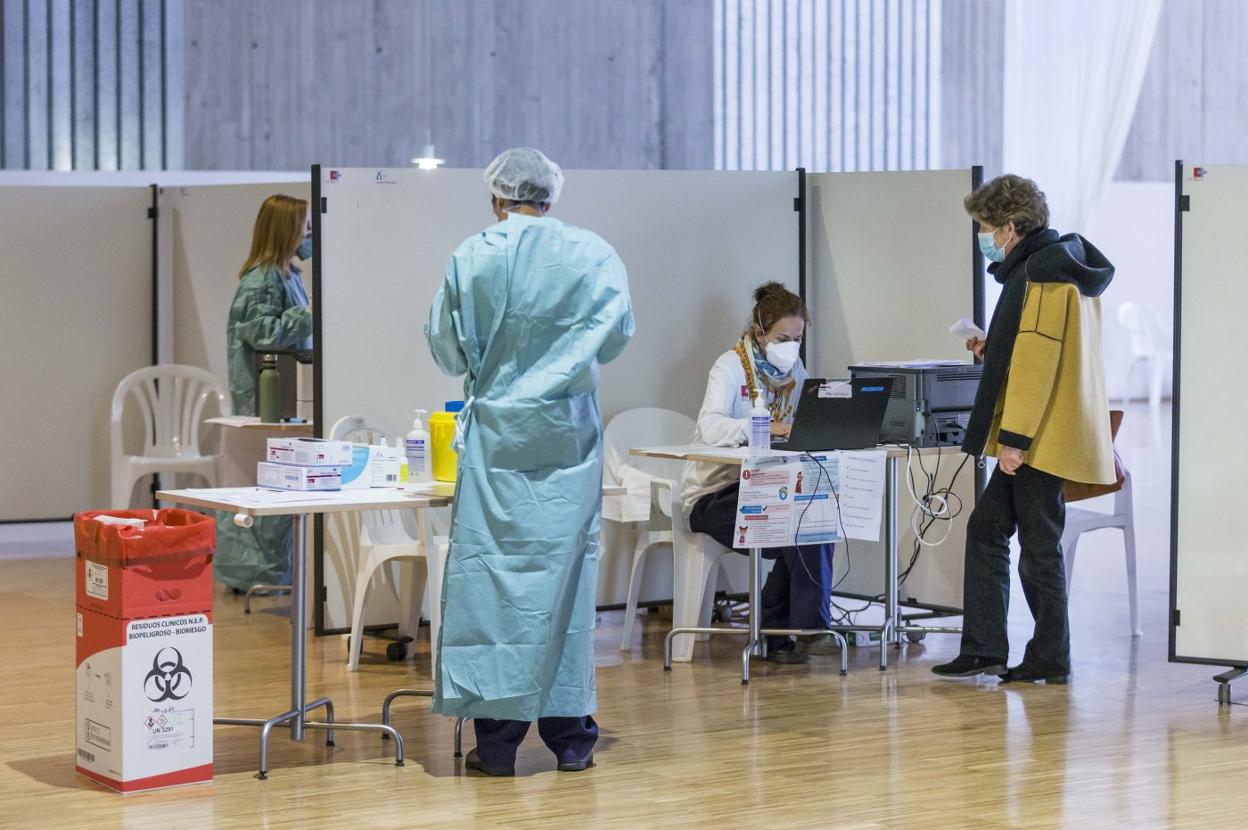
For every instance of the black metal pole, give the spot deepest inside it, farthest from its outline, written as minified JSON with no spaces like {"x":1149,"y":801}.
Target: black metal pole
{"x":318,"y":403}
{"x":799,"y":205}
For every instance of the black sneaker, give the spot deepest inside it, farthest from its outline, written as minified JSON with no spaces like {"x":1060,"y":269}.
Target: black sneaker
{"x":1023,"y":673}
{"x":967,"y":666}
{"x":473,"y":761}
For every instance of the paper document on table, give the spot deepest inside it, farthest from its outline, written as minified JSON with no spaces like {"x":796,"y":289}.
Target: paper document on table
{"x":862,"y":493}
{"x":966,"y":330}
{"x":677,"y":450}
{"x":686,"y":450}
{"x":743,"y":453}
{"x":259,"y":496}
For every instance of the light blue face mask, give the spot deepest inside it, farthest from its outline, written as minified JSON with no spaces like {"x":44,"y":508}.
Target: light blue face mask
{"x":988,"y":247}
{"x":304,"y":251}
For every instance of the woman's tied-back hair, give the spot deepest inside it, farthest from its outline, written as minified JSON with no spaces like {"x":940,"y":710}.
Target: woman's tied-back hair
{"x":1009,"y":198}
{"x":278,"y":232}
{"x":773,"y":302}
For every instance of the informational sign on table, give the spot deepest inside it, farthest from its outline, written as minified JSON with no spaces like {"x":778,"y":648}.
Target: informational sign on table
{"x":810,"y":498}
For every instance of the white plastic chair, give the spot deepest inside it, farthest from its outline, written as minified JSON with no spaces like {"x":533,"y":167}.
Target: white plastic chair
{"x":171,"y":400}
{"x":377,"y":537}
{"x":649,"y":427}
{"x":1150,"y":349}
{"x":695,"y":569}
{"x":1079,"y":522}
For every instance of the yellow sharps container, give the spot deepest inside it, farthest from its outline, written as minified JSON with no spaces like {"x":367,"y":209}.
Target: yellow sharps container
{"x":441,"y":434}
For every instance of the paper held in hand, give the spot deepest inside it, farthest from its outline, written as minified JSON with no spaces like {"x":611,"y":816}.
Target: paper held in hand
{"x":809,"y":499}
{"x":966,"y":330}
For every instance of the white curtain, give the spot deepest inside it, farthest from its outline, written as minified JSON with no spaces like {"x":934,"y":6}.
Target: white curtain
{"x":1073,"y":71}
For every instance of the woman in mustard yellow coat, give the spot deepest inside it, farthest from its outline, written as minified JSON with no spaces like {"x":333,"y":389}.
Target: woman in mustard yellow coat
{"x":1043,"y":412}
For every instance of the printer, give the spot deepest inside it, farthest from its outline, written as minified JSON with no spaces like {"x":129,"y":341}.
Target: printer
{"x":931,"y":400}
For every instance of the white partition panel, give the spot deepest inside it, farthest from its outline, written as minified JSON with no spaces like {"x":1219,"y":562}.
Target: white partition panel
{"x":890,"y":269}
{"x":695,"y":245}
{"x":890,"y":266}
{"x":76,"y":317}
{"x":1209,"y":566}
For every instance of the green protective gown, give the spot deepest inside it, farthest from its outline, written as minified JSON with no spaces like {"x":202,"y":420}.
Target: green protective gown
{"x":269,"y":312}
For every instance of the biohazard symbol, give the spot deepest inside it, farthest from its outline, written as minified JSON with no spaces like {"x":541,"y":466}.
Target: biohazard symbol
{"x":169,"y":679}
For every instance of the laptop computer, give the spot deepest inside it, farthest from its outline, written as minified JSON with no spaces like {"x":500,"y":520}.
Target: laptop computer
{"x":835,"y":414}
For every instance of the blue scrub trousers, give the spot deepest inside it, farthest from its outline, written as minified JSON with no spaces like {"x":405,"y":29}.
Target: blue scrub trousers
{"x":798,"y":591}
{"x":571,"y":739}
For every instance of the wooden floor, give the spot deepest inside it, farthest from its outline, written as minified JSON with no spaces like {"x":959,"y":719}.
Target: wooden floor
{"x":1134,"y":742}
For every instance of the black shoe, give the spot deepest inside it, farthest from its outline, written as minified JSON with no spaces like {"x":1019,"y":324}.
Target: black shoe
{"x":822,"y":645}
{"x":1023,"y":673}
{"x":788,"y":655}
{"x":576,"y":766}
{"x":473,"y":761}
{"x":968,"y":666}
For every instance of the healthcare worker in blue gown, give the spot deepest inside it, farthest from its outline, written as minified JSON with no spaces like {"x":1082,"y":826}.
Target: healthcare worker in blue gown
{"x":529,"y":309}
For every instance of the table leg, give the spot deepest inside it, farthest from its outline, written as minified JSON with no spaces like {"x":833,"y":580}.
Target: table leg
{"x":297,"y":717}
{"x":755,"y":647}
{"x":414,"y":575}
{"x":298,"y":624}
{"x":891,"y":542}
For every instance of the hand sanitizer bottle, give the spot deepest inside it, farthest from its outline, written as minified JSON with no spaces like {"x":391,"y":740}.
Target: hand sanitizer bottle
{"x":760,"y":428}
{"x":419,"y":470}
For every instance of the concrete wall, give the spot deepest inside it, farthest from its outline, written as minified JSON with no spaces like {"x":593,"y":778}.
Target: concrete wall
{"x":1193,"y":104}
{"x":86,"y":85}
{"x":595,"y":83}
{"x":972,"y":65}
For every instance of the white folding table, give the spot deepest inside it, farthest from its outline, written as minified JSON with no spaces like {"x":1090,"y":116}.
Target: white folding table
{"x":248,"y":502}
{"x":893,"y":627}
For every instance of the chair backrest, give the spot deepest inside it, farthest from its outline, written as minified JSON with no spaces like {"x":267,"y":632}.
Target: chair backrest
{"x":361,"y":429}
{"x":171,"y":400}
{"x":1139,"y":327}
{"x":649,"y":427}
{"x":1078,"y":491}
{"x":366,"y":429}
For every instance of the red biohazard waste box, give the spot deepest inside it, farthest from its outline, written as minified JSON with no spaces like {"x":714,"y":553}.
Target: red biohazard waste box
{"x":144,"y":647}
{"x":162,"y":568}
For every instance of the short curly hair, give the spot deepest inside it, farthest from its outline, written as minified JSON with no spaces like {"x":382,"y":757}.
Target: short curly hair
{"x":1009,"y":198}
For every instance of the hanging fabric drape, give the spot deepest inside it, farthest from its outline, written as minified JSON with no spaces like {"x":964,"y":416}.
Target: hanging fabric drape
{"x":1073,"y":72}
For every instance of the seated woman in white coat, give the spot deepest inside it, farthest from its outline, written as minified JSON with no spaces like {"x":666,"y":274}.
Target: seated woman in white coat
{"x":764,"y":363}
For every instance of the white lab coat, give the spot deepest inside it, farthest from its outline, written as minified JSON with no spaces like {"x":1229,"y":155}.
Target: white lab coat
{"x":724,"y":421}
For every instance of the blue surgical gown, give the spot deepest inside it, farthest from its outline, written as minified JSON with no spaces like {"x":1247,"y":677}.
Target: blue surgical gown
{"x":529,"y":309}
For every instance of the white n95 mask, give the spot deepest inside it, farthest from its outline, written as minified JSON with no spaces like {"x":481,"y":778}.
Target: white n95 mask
{"x":783,"y":355}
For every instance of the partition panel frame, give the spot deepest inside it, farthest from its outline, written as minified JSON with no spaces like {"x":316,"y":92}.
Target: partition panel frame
{"x":1184,"y":175}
